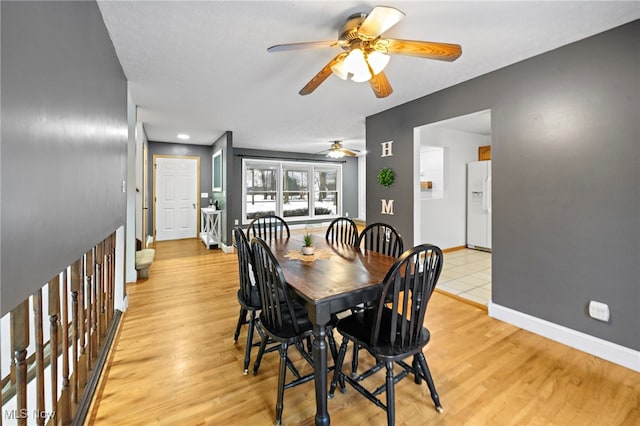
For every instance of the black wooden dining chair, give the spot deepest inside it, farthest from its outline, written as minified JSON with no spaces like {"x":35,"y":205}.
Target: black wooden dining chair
{"x":381,"y":238}
{"x":394,"y":329}
{"x":248,"y":296}
{"x":249,"y":300}
{"x":268,"y":228}
{"x":343,"y":230}
{"x":282,"y":319}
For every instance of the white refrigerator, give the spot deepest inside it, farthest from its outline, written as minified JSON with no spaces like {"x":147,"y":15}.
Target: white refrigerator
{"x":479,"y":205}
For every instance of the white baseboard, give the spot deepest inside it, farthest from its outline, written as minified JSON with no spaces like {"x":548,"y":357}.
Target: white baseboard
{"x":226,"y":249}
{"x":604,"y":349}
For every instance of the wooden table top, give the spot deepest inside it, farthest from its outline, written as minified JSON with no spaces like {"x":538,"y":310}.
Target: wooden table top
{"x":346,"y":270}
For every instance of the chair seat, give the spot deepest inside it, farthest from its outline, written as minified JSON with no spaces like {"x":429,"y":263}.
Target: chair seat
{"x":357,"y":327}
{"x":287,"y":331}
{"x":252,"y":302}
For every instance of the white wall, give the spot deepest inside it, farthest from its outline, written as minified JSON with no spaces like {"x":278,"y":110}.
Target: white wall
{"x":443,"y":221}
{"x":131,"y":274}
{"x":139,"y":136}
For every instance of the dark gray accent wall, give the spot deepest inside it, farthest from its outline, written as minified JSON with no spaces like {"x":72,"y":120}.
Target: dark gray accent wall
{"x":64,"y":140}
{"x":225,"y":143}
{"x":349,"y":177}
{"x":566,"y":178}
{"x":179,"y":150}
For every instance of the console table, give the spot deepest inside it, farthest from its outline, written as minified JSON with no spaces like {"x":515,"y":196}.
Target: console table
{"x":210,"y":226}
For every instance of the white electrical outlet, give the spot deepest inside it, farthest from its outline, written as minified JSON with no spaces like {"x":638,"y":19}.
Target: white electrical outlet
{"x":236,"y":222}
{"x":346,"y":214}
{"x":599,"y":311}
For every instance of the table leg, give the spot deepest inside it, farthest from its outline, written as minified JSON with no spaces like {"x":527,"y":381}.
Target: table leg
{"x":320,"y":371}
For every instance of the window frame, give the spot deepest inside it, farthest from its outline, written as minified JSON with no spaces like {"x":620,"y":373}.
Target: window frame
{"x":280,"y":166}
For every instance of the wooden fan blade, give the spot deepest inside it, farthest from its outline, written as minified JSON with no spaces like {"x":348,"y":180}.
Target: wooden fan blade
{"x":298,"y":46}
{"x":380,"y":85}
{"x":348,"y":152}
{"x":422,"y":49}
{"x":322,"y":75}
{"x":379,"y":20}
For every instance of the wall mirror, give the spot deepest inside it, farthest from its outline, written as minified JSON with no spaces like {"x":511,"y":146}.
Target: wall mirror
{"x":216,"y":168}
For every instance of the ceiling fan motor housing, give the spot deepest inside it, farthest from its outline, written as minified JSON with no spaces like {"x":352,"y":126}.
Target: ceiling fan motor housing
{"x":349,"y":30}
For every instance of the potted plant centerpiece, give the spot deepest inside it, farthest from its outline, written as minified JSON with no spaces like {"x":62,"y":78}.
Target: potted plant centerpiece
{"x":308,"y":247}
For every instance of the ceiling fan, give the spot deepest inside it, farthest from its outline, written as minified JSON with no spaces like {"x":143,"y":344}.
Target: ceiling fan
{"x":338,"y":151}
{"x":365,"y":53}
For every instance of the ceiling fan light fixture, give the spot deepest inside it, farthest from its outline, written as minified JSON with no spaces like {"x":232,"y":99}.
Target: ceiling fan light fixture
{"x":359,"y":78}
{"x":356,"y":64}
{"x":340,"y":70}
{"x":378,"y":61}
{"x":335,"y":154}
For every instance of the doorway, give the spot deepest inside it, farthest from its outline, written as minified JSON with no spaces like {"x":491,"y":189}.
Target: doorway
{"x":176,"y":185}
{"x":442,"y":151}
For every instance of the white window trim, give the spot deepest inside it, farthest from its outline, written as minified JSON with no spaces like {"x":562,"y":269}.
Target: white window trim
{"x":279,"y":187}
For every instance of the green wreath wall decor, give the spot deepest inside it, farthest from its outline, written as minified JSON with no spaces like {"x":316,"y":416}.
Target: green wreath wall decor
{"x":386,"y":177}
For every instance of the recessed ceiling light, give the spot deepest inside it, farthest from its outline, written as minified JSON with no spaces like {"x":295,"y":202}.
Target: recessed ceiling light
{"x":183,"y":136}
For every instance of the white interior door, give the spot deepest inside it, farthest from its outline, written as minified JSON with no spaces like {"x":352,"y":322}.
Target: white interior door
{"x":176,"y":201}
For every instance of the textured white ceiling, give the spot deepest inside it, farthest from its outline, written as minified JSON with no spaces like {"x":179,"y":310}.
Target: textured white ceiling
{"x":202,"y":67}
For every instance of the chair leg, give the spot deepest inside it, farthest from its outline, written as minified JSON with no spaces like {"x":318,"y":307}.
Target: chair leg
{"x":416,"y":367}
{"x":242,"y":319}
{"x":247,"y":350}
{"x":391,"y":406}
{"x":263,"y":347}
{"x":354,"y":361}
{"x":338,"y":369}
{"x":334,"y":355}
{"x":281,"y":381}
{"x":332,"y":346}
{"x":432,"y":387}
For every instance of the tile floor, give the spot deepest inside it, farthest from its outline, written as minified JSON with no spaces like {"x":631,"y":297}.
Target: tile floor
{"x":467,"y":273}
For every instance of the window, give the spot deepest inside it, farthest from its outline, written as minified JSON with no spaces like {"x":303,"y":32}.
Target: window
{"x":325,"y":183}
{"x":292,"y":190}
{"x":295,"y":192}
{"x":261,"y":190}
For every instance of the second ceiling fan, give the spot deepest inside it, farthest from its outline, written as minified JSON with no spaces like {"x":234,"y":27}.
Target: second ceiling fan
{"x":365,"y":53}
{"x":338,"y":151}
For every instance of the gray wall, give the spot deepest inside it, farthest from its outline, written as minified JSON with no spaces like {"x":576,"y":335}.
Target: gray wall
{"x":64,"y":140}
{"x":566,"y":174}
{"x":225,"y":143}
{"x":181,"y":150}
{"x":349,"y":177}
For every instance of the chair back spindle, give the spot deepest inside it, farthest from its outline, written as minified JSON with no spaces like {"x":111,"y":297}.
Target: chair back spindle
{"x":343,"y":230}
{"x":278,"y":313}
{"x":245,"y":262}
{"x":381,"y":238}
{"x":268,"y":228}
{"x":407,"y":289}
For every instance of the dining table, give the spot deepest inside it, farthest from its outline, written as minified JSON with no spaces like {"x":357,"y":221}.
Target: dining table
{"x":332,"y":280}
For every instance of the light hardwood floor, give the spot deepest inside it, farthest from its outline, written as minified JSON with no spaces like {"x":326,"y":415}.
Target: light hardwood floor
{"x":174,"y":362}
